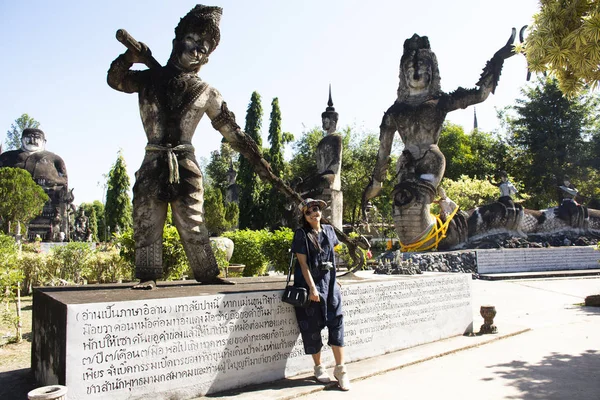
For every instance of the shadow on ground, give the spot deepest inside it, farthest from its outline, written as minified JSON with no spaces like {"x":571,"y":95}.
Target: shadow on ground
{"x":546,"y":380}
{"x":15,"y":384}
{"x":283,"y":384}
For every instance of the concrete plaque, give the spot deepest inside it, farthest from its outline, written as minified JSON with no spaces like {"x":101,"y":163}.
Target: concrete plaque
{"x":187,"y":346}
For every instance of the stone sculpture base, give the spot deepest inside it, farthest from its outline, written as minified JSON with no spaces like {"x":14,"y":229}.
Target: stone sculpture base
{"x":335,"y":211}
{"x":186,"y":340}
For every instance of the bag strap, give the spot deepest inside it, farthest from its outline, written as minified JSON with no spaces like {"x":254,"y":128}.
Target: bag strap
{"x":292,"y":258}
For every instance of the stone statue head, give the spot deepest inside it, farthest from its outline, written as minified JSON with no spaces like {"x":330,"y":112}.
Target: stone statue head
{"x":33,"y":140}
{"x":196,"y":36}
{"x":419,"y":71}
{"x":329,"y":117}
{"x":567,"y":180}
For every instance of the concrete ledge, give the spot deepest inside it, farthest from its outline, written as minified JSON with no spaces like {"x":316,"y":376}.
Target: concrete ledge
{"x":537,"y":259}
{"x":305,"y":384}
{"x":186,"y":340}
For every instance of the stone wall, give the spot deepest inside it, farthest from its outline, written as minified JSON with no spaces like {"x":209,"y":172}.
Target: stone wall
{"x":543,"y":259}
{"x":180,"y":343}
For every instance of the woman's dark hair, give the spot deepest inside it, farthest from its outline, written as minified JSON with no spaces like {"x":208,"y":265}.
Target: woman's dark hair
{"x":311,"y":234}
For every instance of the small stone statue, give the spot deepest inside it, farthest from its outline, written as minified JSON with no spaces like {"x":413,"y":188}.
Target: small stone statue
{"x":568,"y":190}
{"x":507,"y":189}
{"x":172,"y":101}
{"x":418,"y":115}
{"x":82,"y":232}
{"x":326,"y":184}
{"x":571,"y":212}
{"x":50,"y":172}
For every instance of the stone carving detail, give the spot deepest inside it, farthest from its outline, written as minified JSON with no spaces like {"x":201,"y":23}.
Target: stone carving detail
{"x":50,"y":172}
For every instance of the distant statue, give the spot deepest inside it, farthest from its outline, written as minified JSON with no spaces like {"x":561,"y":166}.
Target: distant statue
{"x":568,"y":191}
{"x":504,"y":214}
{"x":326,"y":184}
{"x":232,"y":193}
{"x":50,"y":172}
{"x":507,"y":189}
{"x":172,"y":100}
{"x":83,"y":232}
{"x":569,"y":211}
{"x":418,"y":115}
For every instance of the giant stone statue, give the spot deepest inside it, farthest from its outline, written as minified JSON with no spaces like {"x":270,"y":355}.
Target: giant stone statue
{"x":418,"y":115}
{"x":326,"y":184}
{"x":50,"y":172}
{"x":172,"y":100}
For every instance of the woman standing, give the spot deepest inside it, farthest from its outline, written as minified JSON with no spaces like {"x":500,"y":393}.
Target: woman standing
{"x":315,"y":270}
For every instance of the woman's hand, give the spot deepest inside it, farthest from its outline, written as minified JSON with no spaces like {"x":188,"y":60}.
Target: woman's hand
{"x":314,"y":295}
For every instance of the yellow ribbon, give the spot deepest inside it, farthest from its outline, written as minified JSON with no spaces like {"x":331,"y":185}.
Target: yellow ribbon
{"x":437,"y":232}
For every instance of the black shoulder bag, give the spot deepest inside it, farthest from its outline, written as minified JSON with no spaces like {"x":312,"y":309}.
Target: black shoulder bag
{"x":296,"y":295}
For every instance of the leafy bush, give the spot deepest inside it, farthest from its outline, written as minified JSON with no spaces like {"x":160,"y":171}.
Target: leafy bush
{"x":276,"y":248}
{"x":70,"y":263}
{"x":248,"y":250}
{"x":107,"y":266}
{"x":10,"y":279}
{"x":35,"y":272}
{"x":220,"y":255}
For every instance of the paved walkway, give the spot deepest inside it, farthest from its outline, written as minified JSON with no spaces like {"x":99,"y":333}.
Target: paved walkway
{"x":548,"y":347}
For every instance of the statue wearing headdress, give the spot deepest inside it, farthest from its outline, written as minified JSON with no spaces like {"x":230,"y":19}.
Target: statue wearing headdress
{"x":326,"y":184}
{"x":418,"y":115}
{"x":172,"y":100}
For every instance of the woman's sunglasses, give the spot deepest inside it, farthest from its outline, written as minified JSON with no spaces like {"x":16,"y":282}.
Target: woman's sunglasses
{"x":312,"y":210}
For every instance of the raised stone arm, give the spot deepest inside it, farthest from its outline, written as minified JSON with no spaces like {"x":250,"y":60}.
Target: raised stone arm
{"x":488,"y":81}
{"x":120,"y":77}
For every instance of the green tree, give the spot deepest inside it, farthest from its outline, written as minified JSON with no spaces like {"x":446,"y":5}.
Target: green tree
{"x":90,"y":212}
{"x":490,"y":154}
{"x":564,"y":40}
{"x":469,"y":192}
{"x":13,"y":135}
{"x":250,"y":186}
{"x":303,"y":162}
{"x":21,"y":199}
{"x":232,"y":215}
{"x":454,"y":144}
{"x":103,"y":235}
{"x":358,"y":160}
{"x":478,"y":154}
{"x":273,"y":201}
{"x":118,"y":204}
{"x":214,"y":211}
{"x":549,"y":133}
{"x":218,"y":166}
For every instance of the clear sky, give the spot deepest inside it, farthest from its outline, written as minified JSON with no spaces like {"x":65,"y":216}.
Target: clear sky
{"x":55,"y":55}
